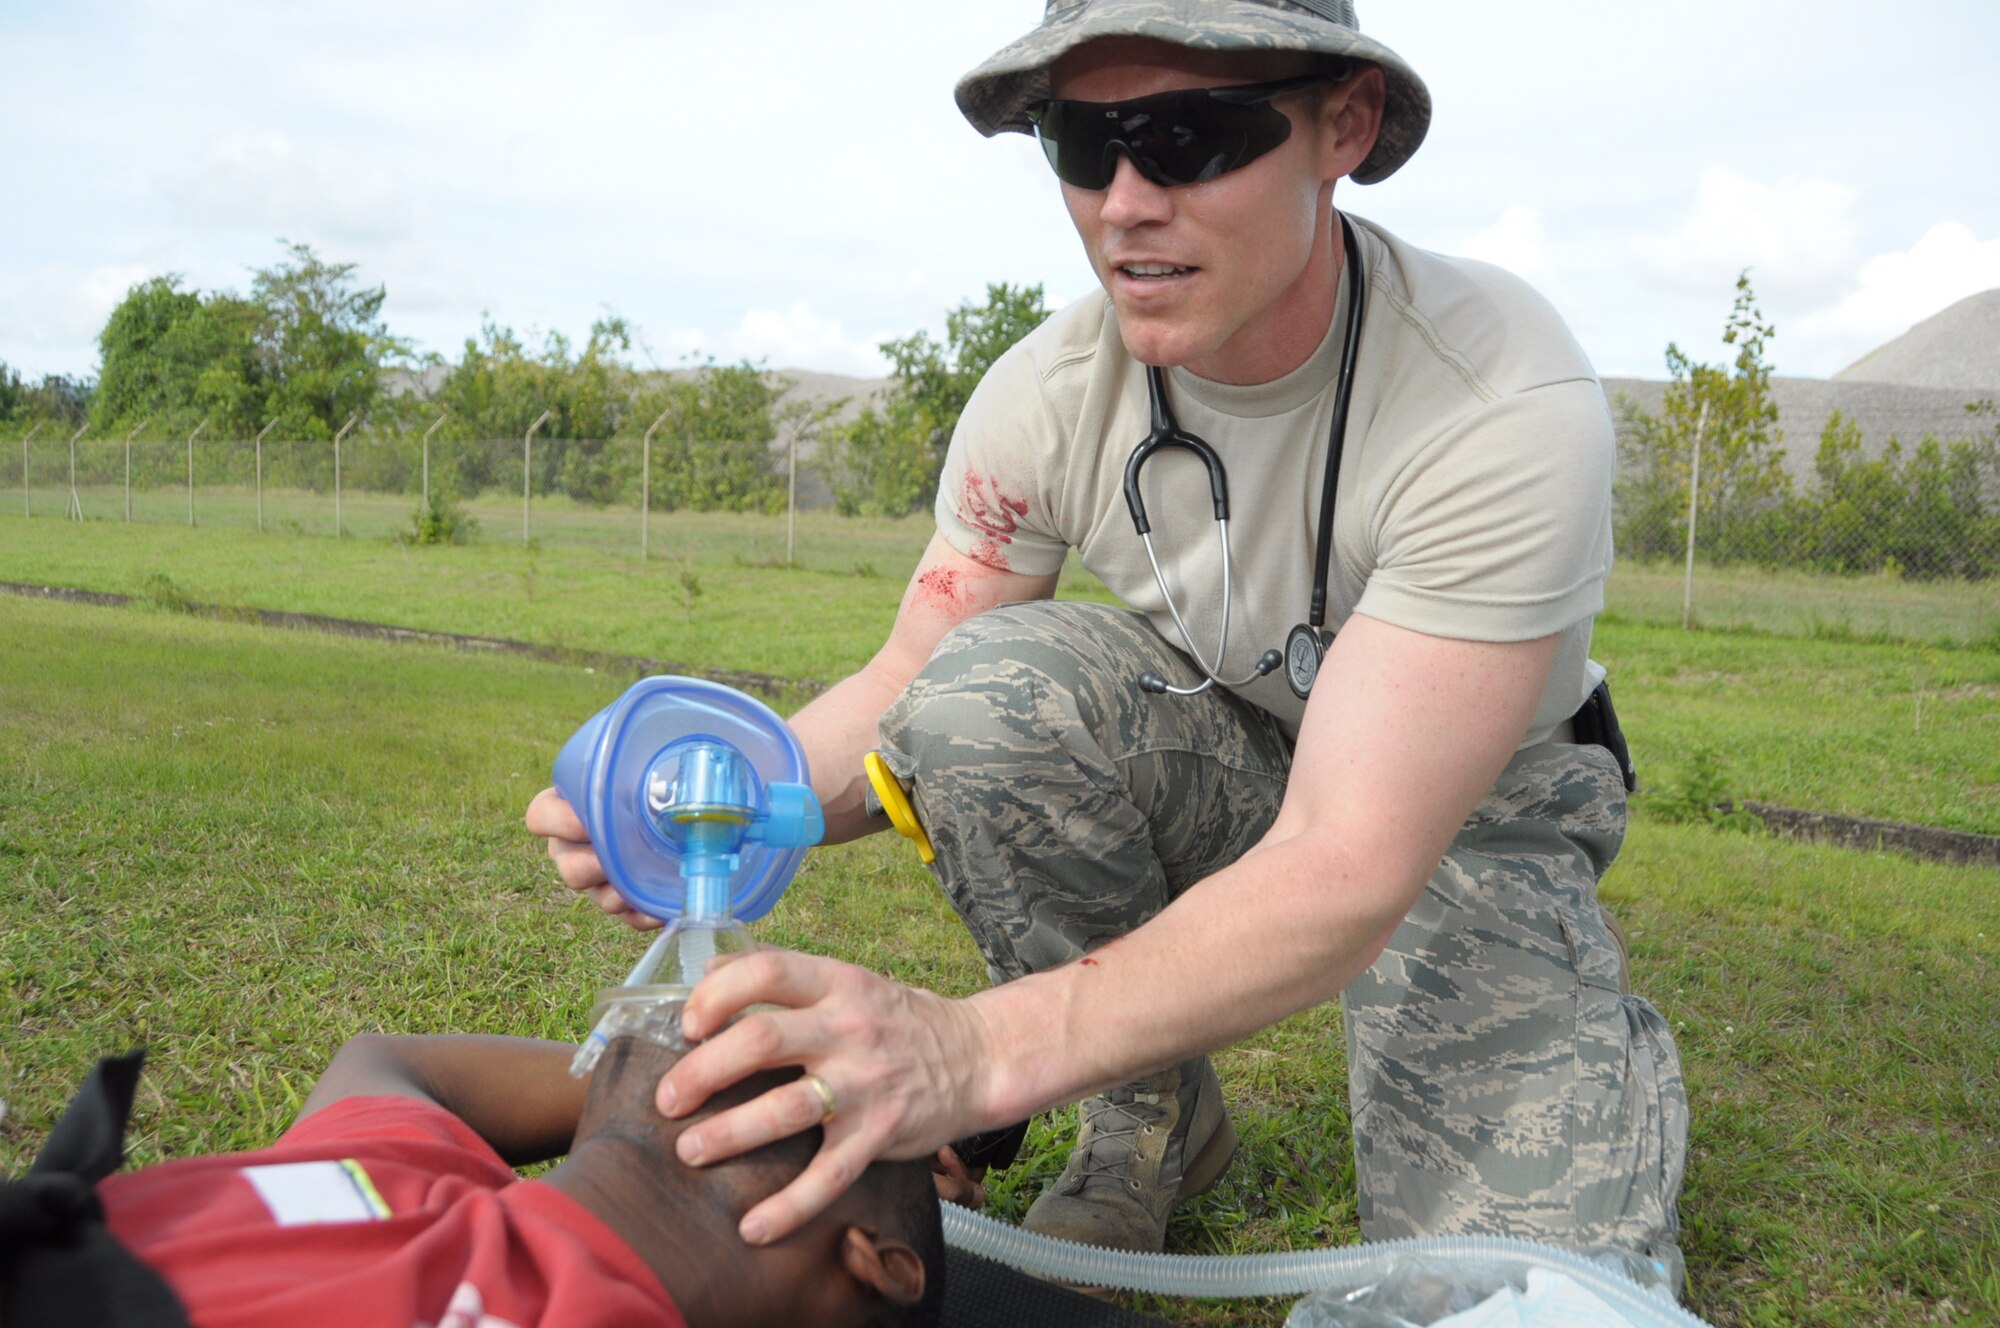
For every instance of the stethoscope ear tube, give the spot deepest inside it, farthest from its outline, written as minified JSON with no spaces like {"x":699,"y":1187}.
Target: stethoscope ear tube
{"x":1343,"y":393}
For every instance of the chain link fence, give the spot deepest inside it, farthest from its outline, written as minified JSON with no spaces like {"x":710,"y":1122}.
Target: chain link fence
{"x":1854,"y":534}
{"x":602,"y":495}
{"x":1900,"y":545}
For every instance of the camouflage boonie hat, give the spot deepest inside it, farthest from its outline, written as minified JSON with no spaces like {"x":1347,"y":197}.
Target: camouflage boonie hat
{"x":996,"y":96}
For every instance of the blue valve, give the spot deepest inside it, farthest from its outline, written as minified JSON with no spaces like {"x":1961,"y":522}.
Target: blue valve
{"x":697,"y":798}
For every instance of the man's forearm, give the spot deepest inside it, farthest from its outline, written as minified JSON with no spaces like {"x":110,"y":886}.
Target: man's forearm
{"x":1404,"y":735}
{"x":1283,"y":929}
{"x":837,"y":730}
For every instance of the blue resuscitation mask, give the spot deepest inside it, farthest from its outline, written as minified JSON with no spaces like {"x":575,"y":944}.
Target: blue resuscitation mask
{"x":699,"y":803}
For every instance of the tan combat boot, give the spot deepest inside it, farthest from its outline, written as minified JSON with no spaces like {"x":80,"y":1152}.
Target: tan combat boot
{"x":1142,"y":1149}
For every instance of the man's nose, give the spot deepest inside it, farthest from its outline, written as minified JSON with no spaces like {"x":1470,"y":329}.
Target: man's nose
{"x":1131,"y":198}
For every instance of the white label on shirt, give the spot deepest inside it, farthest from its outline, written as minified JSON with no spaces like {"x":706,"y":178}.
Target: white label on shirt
{"x":303,"y":1193}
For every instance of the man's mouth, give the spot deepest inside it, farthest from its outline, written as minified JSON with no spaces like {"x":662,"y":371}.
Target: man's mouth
{"x":1154,"y":271}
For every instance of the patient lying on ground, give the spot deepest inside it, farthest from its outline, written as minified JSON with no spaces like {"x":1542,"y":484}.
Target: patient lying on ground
{"x":392,"y":1201}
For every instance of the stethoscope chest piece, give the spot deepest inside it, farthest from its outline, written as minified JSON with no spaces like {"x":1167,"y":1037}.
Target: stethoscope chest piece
{"x":1304,"y":649}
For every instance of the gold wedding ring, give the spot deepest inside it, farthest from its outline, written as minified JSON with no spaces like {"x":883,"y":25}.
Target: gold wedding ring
{"x":827,"y":1102}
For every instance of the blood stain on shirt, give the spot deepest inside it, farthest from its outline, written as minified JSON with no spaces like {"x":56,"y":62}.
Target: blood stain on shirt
{"x":989,"y":553}
{"x":984,"y":507}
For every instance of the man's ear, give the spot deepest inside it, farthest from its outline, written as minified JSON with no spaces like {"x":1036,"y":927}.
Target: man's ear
{"x":1351,"y":116}
{"x":888,"y":1265}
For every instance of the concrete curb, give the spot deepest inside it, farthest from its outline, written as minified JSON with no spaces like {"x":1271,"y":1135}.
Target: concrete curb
{"x":1921,"y":841}
{"x":1953,"y":846}
{"x":767,"y":684}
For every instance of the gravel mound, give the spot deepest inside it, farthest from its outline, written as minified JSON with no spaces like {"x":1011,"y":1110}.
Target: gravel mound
{"x":1959,"y":347}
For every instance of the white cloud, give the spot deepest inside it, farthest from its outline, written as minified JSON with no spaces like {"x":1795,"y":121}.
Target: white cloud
{"x":790,"y":338}
{"x":1895,"y":291}
{"x":56,"y":309}
{"x":1797,"y":237}
{"x":100,"y":290}
{"x":262,"y":180}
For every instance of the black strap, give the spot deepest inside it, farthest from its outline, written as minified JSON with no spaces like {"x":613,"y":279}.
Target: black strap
{"x":995,"y":1149}
{"x":58,"y":1263}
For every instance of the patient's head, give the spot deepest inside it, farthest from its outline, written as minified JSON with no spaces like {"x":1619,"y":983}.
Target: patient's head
{"x":875,"y":1258}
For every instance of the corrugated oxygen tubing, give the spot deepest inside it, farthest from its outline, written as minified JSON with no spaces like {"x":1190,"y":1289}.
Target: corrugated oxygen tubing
{"x":1295,"y":1273}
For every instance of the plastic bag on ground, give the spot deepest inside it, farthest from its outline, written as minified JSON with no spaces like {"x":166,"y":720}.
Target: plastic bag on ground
{"x":1420,"y":1292}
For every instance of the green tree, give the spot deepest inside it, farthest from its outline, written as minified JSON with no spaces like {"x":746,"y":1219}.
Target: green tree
{"x":712,"y":451}
{"x":320,"y":343}
{"x":57,"y":400}
{"x":1856,"y":501}
{"x":1730,"y":411}
{"x":882,"y":462}
{"x":886,"y":460}
{"x":1927,"y":514}
{"x":307,"y":349}
{"x":173,"y":357}
{"x":501,"y":385}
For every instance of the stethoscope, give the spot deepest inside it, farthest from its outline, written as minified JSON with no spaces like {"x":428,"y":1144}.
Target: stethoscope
{"x":1306,"y":646}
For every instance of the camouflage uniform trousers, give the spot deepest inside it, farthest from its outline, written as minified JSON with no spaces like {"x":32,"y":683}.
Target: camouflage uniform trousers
{"x":1499,"y":1082}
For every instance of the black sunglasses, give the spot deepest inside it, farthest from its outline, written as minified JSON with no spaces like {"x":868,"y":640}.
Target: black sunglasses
{"x":1173,"y":138}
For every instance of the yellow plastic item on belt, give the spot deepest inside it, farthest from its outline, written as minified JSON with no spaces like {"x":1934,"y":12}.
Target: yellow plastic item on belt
{"x":897,"y":804}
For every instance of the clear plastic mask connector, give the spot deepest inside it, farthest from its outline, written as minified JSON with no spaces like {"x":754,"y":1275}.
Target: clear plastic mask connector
{"x":654,"y":1016}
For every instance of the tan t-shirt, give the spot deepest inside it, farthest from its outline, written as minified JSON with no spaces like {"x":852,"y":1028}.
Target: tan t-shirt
{"x":1475,"y":485}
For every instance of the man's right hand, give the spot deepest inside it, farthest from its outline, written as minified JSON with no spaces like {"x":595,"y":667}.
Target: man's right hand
{"x":576,"y":861}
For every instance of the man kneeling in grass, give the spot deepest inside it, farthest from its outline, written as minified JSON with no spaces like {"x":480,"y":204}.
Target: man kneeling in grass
{"x":392,"y":1201}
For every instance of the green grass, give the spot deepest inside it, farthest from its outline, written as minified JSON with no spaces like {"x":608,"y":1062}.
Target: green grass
{"x":716,"y":592}
{"x":1902,"y":733}
{"x":1791,"y":604}
{"x":242,"y":846}
{"x":1896,"y":732}
{"x":553,"y":522}
{"x":1807,"y":605}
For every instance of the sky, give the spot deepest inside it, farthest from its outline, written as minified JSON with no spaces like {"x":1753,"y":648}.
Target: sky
{"x":789,"y":181}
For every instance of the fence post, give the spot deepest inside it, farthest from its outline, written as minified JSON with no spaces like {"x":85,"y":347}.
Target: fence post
{"x":427,"y":458}
{"x":128,"y":465}
{"x":191,"y":437}
{"x":27,"y":508}
{"x":260,"y":471}
{"x":527,"y":451}
{"x":1694,"y":491}
{"x":75,"y":507}
{"x":645,"y":480}
{"x":336,"y":471}
{"x":792,"y":490}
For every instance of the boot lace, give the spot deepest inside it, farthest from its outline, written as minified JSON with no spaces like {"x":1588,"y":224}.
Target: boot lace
{"x":1115,"y":1127}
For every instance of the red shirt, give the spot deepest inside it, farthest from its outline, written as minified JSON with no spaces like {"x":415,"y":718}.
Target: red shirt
{"x":379,"y":1212}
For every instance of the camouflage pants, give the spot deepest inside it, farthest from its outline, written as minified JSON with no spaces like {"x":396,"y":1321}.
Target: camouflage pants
{"x":1499,"y":1081}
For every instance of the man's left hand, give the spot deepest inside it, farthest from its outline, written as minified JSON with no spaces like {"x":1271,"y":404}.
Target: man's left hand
{"x":905,"y":1069}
